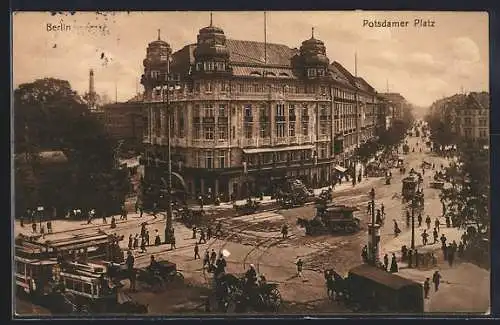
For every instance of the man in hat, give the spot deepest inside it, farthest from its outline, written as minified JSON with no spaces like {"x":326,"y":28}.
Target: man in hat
{"x":427,"y":287}
{"x":130,"y":269}
{"x":300,"y":265}
{"x":436,"y":279}
{"x":196,"y":251}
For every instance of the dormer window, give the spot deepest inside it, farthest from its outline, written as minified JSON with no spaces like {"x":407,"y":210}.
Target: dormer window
{"x":209,"y":66}
{"x":321,"y":72}
{"x":199,"y":66}
{"x":311,"y":72}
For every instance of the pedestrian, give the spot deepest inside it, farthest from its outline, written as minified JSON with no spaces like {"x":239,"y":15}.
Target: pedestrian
{"x":382,"y":209}
{"x":104,"y":220}
{"x":147,"y":237}
{"x":194,"y":233}
{"x":443,"y":208}
{"x":209,"y":232}
{"x":143,"y":229}
{"x":451,"y":254}
{"x":386,"y":262}
{"x":394,"y":264}
{"x":196,"y":251}
{"x":284,"y":231}
{"x":410,"y":258}
{"x":427,"y":287}
{"x":435,"y":235}
{"x":419,"y":219}
{"x":300,"y":265}
{"x":436,"y":279}
{"x":202,"y":237}
{"x":213,"y":257}
{"x":155,"y":210}
{"x":397,"y":231}
{"x":364,"y":254}
{"x":143,"y":245}
{"x":113,"y":222}
{"x":368,"y":208}
{"x":130,"y":270}
{"x":141,"y":210}
{"x":130,"y":242}
{"x":49,"y":227}
{"x":136,"y":241}
{"x":157,"y":238}
{"x":461,"y":249}
{"x":436,"y":224}
{"x":172,"y":242}
{"x":428,"y":222}
{"x":425,"y":235}
{"x":448,"y":223}
{"x":206,"y":260}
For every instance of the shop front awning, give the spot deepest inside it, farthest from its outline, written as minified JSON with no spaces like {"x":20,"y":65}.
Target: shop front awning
{"x":277,"y":149}
{"x":340,"y":169}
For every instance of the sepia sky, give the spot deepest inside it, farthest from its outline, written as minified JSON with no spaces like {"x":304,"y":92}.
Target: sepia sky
{"x":422,"y":63}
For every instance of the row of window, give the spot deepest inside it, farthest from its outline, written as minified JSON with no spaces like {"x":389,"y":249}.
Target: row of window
{"x":225,"y":86}
{"x":210,"y":66}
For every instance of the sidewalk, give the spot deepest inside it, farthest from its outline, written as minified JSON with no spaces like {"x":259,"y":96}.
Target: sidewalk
{"x":317,"y":191}
{"x":65,"y":225}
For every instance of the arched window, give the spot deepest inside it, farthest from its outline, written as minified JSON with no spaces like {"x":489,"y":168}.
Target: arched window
{"x":269,"y":73}
{"x":283,"y":74}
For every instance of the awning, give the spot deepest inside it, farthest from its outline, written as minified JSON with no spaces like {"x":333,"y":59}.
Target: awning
{"x":340,"y":169}
{"x":275,"y":149}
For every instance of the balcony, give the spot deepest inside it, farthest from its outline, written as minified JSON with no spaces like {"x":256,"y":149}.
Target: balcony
{"x":280,"y":141}
{"x":249,"y":142}
{"x":203,"y":143}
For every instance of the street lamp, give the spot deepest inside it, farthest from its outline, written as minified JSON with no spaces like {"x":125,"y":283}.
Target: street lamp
{"x":170,"y":84}
{"x":413,"y":223}
{"x":372,"y":230}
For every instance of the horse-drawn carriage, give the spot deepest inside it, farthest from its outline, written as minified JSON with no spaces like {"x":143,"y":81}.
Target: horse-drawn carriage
{"x":232,"y":295}
{"x":333,"y":219}
{"x":190,"y":217}
{"x":371,"y":289}
{"x":157,"y":277}
{"x":248,"y":208}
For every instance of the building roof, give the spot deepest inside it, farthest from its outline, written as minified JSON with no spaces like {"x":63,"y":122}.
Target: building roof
{"x":251,"y":52}
{"x":481,"y":100}
{"x":382,"y":277}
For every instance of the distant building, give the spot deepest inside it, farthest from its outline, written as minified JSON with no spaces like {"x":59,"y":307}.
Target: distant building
{"x":125,"y":121}
{"x":472,"y":116}
{"x":398,"y":104}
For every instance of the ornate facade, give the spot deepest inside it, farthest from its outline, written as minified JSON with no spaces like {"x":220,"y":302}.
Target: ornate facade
{"x":246,"y":113}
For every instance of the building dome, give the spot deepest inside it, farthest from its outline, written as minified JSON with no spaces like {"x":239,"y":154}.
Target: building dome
{"x":211,"y":43}
{"x":313,"y":51}
{"x":157,"y":52}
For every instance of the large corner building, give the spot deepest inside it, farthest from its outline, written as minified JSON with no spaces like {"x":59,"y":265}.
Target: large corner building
{"x":246,"y":114}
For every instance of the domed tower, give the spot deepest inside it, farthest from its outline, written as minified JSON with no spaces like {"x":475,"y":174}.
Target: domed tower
{"x":156,"y":65}
{"x":211,"y":53}
{"x":314,"y":61}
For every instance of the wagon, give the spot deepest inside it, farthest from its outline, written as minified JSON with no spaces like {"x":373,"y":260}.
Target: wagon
{"x":371,"y":289}
{"x":230,"y":296}
{"x":247,"y":208}
{"x":165,"y":272}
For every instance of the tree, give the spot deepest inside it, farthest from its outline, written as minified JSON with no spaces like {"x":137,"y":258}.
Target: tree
{"x":49,"y":115}
{"x":468,"y":198}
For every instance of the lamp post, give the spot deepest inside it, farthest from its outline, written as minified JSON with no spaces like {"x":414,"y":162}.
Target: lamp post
{"x":413,"y":223}
{"x":168,"y":182}
{"x":373,"y":231}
